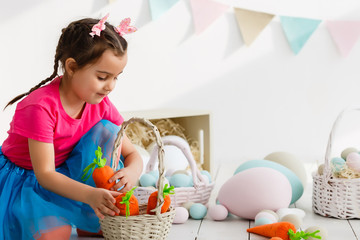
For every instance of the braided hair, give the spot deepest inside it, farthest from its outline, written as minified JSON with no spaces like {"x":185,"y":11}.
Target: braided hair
{"x":75,"y":42}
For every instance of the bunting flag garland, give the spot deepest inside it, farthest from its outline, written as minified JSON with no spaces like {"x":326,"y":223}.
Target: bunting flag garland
{"x":345,"y":34}
{"x":251,"y":23}
{"x":298,"y":30}
{"x":206,"y":12}
{"x":158,"y":7}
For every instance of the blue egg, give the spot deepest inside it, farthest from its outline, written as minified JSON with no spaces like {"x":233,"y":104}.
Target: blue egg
{"x":155,"y":173}
{"x":147,"y":180}
{"x":338,"y":164}
{"x":198,"y":211}
{"x":262,"y":221}
{"x":295,"y":182}
{"x":206,"y":173}
{"x":180,"y":180}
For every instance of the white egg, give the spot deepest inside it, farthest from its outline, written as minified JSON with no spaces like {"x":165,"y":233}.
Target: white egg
{"x":323,"y":232}
{"x":292,"y":218}
{"x":187,"y":205}
{"x":346,"y":152}
{"x":291,"y":162}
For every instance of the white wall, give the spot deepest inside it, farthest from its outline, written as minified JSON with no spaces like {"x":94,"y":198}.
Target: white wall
{"x":263,"y":97}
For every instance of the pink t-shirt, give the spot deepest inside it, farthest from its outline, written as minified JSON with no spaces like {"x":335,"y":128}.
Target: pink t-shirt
{"x":41,"y":116}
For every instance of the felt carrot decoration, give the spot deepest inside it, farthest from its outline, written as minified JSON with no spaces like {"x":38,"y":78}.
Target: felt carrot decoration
{"x":100,"y":172}
{"x":278,"y":229}
{"x":284,"y":230}
{"x":127,"y":203}
{"x":153,"y":200}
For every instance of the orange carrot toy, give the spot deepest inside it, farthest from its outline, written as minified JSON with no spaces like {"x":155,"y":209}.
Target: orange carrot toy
{"x":100,"y":172}
{"x":127,"y":203}
{"x":283,"y":230}
{"x":153,"y":200}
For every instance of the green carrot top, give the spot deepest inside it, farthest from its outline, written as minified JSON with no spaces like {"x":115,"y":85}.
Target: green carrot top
{"x":302,"y":235}
{"x":98,"y":162}
{"x":126,"y":200}
{"x":168,"y":190}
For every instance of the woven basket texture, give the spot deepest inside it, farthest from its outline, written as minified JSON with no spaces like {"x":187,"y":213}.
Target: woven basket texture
{"x":142,"y":226}
{"x":332,"y":196}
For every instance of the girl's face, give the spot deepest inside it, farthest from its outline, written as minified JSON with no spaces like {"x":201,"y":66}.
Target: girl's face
{"x":95,"y":81}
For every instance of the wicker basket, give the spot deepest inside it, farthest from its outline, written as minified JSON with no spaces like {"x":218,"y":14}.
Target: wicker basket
{"x":335,"y":197}
{"x":142,"y":226}
{"x":199,"y":193}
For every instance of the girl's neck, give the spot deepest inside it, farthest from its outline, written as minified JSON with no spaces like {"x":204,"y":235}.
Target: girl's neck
{"x":72,"y":105}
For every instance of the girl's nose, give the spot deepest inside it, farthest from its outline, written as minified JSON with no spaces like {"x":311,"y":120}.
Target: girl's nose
{"x":110,"y":85}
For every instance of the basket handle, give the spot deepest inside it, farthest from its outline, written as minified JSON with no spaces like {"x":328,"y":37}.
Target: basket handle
{"x":116,"y":152}
{"x":327,"y":170}
{"x":198,"y":178}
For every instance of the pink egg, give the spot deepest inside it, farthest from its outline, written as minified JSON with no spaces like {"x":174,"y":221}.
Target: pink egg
{"x":248,"y":192}
{"x":181,"y":215}
{"x":218,"y":212}
{"x":353,"y":161}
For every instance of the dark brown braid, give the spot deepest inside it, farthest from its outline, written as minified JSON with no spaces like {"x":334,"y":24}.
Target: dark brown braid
{"x":75,"y":42}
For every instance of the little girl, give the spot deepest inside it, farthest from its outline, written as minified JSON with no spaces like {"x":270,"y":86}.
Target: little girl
{"x":54,"y":126}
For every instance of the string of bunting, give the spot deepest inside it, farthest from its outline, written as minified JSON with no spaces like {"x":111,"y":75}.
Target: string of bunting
{"x":251,"y":23}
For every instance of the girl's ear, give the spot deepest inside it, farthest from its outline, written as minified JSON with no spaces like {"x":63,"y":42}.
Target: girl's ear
{"x":70,"y":66}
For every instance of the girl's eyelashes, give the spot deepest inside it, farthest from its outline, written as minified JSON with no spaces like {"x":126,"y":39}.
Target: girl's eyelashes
{"x":102,"y":78}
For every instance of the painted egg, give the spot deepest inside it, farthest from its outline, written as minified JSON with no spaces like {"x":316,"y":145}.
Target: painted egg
{"x":248,"y":192}
{"x":276,"y":216}
{"x":207,"y":174}
{"x":266,"y":215}
{"x":296,"y":185}
{"x":353,"y":161}
{"x":181,"y":215}
{"x":218,"y":212}
{"x":198,"y":211}
{"x":262,"y":221}
{"x":180,"y":180}
{"x":338,"y":164}
{"x":291,"y":162}
{"x":346,"y":152}
{"x":147,"y":180}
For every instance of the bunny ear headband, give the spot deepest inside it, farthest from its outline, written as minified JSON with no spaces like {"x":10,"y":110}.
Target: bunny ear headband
{"x":123,"y":28}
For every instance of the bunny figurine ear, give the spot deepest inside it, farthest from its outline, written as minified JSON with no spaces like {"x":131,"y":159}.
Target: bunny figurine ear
{"x":124,"y":27}
{"x":97,"y":28}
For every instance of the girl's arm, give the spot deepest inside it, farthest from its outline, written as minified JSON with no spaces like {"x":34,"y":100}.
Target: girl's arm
{"x":42,"y":158}
{"x":133,"y":166}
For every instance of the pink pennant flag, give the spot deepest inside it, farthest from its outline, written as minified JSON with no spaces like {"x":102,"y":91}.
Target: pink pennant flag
{"x":205,"y":12}
{"x":345,"y":34}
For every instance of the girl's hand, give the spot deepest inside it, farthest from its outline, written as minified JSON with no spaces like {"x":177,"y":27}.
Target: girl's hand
{"x":102,"y":201}
{"x":127,"y":179}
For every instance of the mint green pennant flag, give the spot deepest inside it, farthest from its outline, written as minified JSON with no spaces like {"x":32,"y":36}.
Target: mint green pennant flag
{"x":298,"y":30}
{"x":158,"y":7}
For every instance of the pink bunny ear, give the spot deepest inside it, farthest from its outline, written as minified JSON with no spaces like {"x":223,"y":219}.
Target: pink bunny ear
{"x":97,"y":28}
{"x":124,"y":27}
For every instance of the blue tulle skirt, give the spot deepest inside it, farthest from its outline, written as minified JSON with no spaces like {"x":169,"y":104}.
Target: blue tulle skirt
{"x":27,"y":209}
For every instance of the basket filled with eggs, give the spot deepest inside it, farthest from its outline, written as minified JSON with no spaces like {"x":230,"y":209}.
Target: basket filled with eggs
{"x":336,"y":183}
{"x":191,"y":185}
{"x":141,"y":220}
